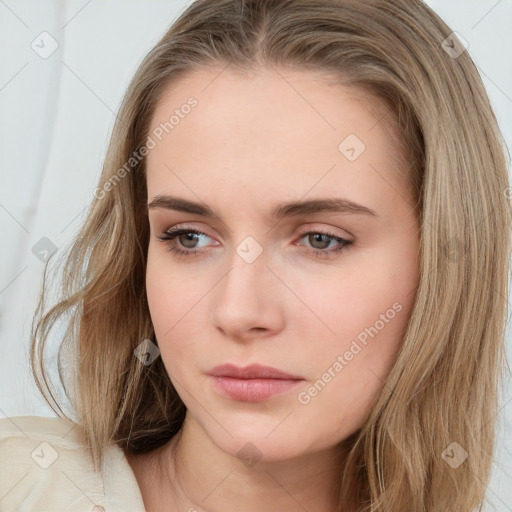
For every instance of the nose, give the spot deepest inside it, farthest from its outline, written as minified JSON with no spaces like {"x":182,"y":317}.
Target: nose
{"x":247,"y":301}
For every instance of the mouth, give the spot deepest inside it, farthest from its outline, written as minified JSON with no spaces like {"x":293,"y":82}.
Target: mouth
{"x":254,"y":383}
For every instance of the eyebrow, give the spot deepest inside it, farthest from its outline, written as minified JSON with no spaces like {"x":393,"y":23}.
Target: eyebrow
{"x":280,"y":210}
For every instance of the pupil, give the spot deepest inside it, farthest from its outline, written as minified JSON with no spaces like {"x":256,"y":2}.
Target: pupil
{"x":190,"y":237}
{"x":318,"y":238}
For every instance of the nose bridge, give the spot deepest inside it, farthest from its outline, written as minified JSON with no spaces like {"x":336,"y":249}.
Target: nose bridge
{"x":244,"y":298}
{"x":248,"y":269}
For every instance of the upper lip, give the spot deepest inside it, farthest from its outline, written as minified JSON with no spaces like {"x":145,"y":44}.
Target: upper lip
{"x":253,"y":371}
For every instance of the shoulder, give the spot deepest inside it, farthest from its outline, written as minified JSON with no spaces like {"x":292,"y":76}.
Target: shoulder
{"x":44,"y":466}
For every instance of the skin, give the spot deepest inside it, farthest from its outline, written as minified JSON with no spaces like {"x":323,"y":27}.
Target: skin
{"x":252,"y":141}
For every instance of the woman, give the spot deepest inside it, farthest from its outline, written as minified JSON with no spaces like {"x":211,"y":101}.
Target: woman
{"x":290,"y":290}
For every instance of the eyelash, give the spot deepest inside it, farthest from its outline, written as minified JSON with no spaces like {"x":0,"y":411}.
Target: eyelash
{"x":169,"y":236}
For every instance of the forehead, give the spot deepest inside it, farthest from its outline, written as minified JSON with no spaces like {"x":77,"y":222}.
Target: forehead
{"x":285,"y":128}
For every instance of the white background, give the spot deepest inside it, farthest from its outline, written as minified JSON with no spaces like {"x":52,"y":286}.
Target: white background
{"x":56,"y":115}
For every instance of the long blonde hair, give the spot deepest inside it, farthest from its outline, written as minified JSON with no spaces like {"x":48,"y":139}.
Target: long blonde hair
{"x":444,"y":386}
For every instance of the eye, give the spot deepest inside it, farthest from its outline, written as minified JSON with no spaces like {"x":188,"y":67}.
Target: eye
{"x":189,"y":237}
{"x":321,"y":240}
{"x":188,"y":242}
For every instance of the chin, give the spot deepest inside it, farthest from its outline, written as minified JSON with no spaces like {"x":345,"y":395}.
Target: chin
{"x":265,"y":439}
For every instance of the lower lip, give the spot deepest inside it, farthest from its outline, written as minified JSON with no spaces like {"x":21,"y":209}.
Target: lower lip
{"x":253,"y":390}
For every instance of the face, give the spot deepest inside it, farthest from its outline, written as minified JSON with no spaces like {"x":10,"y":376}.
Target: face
{"x":296,"y":266}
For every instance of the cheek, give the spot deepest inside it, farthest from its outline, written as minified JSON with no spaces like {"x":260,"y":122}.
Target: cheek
{"x":356,"y":307}
{"x":160,"y":290}
{"x":173,"y":296}
{"x":348,"y":372}
{"x":367,"y":312}
{"x":176,"y":301}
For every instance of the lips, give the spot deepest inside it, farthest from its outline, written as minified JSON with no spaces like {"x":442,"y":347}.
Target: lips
{"x":254,"y":371}
{"x":254,"y":383}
